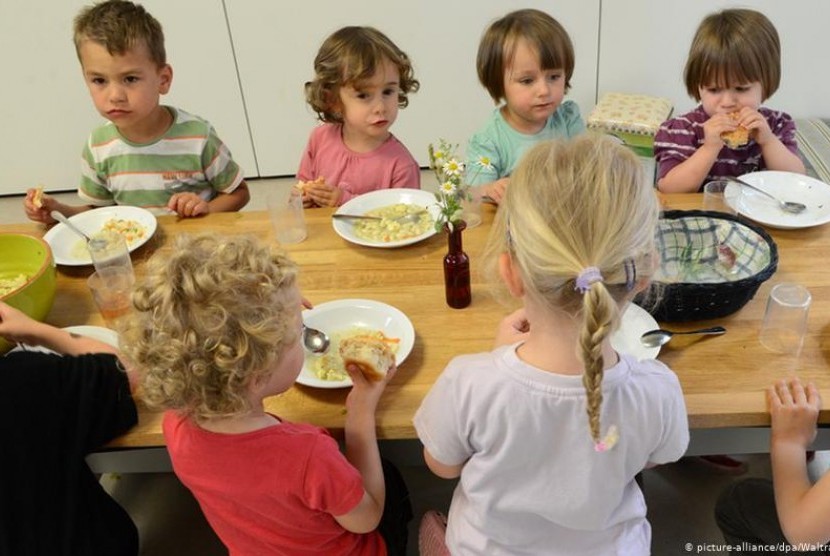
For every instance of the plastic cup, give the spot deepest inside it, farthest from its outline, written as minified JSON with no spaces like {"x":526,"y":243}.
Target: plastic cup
{"x":285,"y":208}
{"x":110,"y":251}
{"x":785,"y":319}
{"x":720,"y":197}
{"x":111,"y":288}
{"x":471,"y":208}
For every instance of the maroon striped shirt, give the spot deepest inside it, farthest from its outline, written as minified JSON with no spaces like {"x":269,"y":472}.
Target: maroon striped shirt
{"x":679,"y":138}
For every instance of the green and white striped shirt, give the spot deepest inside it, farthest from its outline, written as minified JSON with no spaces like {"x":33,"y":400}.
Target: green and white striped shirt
{"x":188,"y":157}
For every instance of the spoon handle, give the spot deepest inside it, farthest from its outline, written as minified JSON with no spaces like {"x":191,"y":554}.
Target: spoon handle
{"x":749,"y":185}
{"x":66,"y":222}
{"x":712,"y":330}
{"x":356,"y":216}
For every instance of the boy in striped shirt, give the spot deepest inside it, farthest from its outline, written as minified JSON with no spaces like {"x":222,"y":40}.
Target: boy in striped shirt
{"x":147,"y":155}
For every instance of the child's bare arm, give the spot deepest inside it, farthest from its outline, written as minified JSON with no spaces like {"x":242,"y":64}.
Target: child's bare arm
{"x":362,"y":450}
{"x":688,"y":176}
{"x":47,"y":204}
{"x":496,"y":190}
{"x":233,"y":201}
{"x":16,"y":326}
{"x":803,"y":510}
{"x":441,"y":469}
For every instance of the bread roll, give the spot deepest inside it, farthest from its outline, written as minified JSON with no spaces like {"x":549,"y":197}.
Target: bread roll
{"x":37,"y":198}
{"x":371,"y":355}
{"x":737,"y":137}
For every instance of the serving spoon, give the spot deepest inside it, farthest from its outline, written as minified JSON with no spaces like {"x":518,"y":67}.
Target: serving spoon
{"x":658,"y":337}
{"x":315,"y":341}
{"x":787,"y":206}
{"x":66,"y":222}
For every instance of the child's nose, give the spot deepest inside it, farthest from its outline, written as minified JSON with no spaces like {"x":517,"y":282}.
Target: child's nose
{"x":117,"y":93}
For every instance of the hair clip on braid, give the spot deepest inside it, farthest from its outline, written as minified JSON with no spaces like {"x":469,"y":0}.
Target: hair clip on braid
{"x":609,"y":440}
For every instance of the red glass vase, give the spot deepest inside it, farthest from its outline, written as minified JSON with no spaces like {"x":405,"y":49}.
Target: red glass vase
{"x":456,"y":269}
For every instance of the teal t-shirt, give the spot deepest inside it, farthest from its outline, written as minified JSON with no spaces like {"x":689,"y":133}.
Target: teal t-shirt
{"x":503,"y":146}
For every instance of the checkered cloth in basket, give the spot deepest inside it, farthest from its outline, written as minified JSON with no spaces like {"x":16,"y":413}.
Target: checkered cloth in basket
{"x":711,"y":264}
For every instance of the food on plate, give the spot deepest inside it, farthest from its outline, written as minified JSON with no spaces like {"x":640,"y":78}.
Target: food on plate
{"x":372,"y":356}
{"x":389,"y":227}
{"x":37,"y":197}
{"x":737,"y":137}
{"x":330,"y":366}
{"x":8,"y":285}
{"x":132,"y":230}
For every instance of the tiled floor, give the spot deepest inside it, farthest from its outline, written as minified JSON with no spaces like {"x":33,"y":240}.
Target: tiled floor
{"x":680,"y":496}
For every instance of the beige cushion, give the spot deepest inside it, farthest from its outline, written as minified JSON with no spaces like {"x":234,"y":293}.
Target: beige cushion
{"x":634,"y":118}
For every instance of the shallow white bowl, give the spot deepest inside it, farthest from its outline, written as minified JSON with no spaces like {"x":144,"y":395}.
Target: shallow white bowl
{"x":786,"y":186}
{"x":343,"y":314}
{"x":383,"y":198}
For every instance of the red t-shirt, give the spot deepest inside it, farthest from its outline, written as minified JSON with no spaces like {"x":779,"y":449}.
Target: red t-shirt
{"x":271,"y":491}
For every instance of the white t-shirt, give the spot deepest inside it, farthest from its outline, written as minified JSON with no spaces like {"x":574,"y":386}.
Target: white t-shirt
{"x":532,"y":482}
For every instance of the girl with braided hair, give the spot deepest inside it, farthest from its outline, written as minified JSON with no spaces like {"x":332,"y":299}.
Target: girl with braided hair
{"x":548,"y":431}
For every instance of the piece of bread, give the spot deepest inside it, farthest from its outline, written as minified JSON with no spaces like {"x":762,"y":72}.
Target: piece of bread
{"x":371,"y":355}
{"x":737,"y":137}
{"x":37,"y":197}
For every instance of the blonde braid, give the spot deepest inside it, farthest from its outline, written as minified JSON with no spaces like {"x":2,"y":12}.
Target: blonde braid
{"x":599,"y":310}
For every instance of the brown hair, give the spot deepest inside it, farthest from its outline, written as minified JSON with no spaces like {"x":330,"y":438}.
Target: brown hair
{"x":498,"y":45}
{"x":120,"y":26}
{"x":211,"y":317}
{"x":348,"y":57}
{"x":734,"y":47}
{"x":573,"y":205}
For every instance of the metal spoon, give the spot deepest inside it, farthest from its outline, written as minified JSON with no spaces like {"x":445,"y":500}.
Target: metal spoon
{"x":658,"y":337}
{"x":787,"y":206}
{"x":405,"y":219}
{"x":314,"y":340}
{"x":68,"y":223}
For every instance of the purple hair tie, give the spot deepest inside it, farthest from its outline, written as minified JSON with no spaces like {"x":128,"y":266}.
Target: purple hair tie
{"x":587,"y":277}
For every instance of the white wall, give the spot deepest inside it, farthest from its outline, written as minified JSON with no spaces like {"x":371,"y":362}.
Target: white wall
{"x":45,"y":110}
{"x":258,"y":58}
{"x":644,"y":44}
{"x":276,"y":51}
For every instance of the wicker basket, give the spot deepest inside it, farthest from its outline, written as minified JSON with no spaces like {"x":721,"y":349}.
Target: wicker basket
{"x":711,"y":265}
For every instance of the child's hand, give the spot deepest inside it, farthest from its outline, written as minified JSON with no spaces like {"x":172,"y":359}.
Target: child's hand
{"x":366,"y":393}
{"x":512,"y":328}
{"x":188,"y":205}
{"x":757,"y":125}
{"x":321,"y":194}
{"x":794,"y":411}
{"x":496,"y":190}
{"x":16,"y":326}
{"x":715,"y":126}
{"x":35,"y":196}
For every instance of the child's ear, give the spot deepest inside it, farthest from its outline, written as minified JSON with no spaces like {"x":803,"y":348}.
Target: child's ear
{"x":510,"y":275}
{"x":165,"y":78}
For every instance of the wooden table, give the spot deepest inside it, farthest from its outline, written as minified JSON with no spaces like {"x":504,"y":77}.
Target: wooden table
{"x":723,"y":377}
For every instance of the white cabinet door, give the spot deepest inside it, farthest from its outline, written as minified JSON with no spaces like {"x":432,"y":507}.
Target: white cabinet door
{"x":276,"y":42}
{"x":644,"y":44}
{"x":45,"y":110}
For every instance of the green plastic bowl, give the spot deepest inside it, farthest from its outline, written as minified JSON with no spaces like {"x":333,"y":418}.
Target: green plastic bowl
{"x":31,"y":256}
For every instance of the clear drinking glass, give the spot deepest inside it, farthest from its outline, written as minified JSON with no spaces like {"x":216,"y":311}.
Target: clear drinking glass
{"x":785,"y":318}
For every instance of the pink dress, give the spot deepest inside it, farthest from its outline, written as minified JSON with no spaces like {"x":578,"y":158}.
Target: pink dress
{"x":389,"y":166}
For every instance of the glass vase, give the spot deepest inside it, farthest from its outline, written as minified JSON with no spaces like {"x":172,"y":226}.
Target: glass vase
{"x":456,"y":269}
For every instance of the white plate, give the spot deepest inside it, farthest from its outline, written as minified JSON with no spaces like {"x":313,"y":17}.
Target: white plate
{"x":105,"y":335}
{"x":384,"y":198}
{"x":343,"y":314}
{"x":626,"y":339}
{"x":787,"y":186}
{"x":62,"y":240}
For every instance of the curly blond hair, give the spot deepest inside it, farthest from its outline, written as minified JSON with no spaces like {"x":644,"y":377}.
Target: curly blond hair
{"x":119,"y":26}
{"x":570,"y":206}
{"x":211,"y":317}
{"x":350,"y":56}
